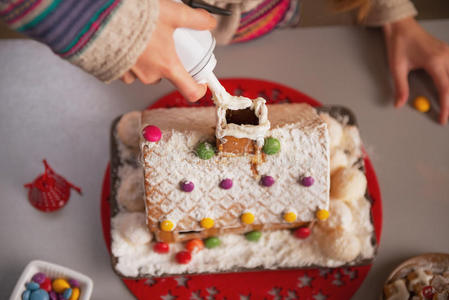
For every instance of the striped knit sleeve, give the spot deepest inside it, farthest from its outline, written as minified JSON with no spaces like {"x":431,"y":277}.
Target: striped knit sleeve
{"x":103,"y":37}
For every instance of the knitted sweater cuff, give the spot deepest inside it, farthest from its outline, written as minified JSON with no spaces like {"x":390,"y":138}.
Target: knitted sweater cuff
{"x":117,"y":46}
{"x":386,"y":11}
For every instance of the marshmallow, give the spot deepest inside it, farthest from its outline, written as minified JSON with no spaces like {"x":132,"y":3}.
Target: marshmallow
{"x":340,"y":245}
{"x":335,"y":130}
{"x":340,"y":217}
{"x":128,"y":129}
{"x":348,"y":184}
{"x":338,"y":159}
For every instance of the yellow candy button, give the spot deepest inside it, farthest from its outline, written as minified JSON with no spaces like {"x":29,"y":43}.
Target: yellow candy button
{"x":207,"y":223}
{"x":247,"y":218}
{"x":59,"y":285}
{"x":322,"y":214}
{"x":75,"y":294}
{"x":421,"y":104}
{"x":167,"y":225}
{"x":290,"y":217}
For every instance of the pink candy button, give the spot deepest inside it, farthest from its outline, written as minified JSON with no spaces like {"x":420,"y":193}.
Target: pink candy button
{"x":152,"y":133}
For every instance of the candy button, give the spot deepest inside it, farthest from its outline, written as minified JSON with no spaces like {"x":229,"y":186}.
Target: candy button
{"x":183,"y":257}
{"x":212,"y":242}
{"x":226,"y":184}
{"x":39,"y":295}
{"x":427,"y":292}
{"x":322,"y":214}
{"x":302,"y":232}
{"x":187,"y":186}
{"x":195,"y":245}
{"x":421,"y":104}
{"x":167,"y":225}
{"x":271,"y":146}
{"x":67,"y":293}
{"x":161,"y":247}
{"x":307,"y":181}
{"x":74,"y":283}
{"x":290,"y":217}
{"x":152,"y":133}
{"x":53,"y":295}
{"x":247,"y":218}
{"x":207,"y":223}
{"x":253,"y":236}
{"x":32,"y":286}
{"x":267,"y":181}
{"x":205,"y":150}
{"x":38,"y":277}
{"x":26,"y":295}
{"x":59,"y":285}
{"x":75,"y":294}
{"x":46,"y":285}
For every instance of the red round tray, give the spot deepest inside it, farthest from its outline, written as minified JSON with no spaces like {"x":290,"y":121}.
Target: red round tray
{"x":318,"y":283}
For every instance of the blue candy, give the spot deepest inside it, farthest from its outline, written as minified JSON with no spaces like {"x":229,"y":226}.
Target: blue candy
{"x":26,"y":295}
{"x":39,"y":295}
{"x":67,"y":293}
{"x":32,"y":286}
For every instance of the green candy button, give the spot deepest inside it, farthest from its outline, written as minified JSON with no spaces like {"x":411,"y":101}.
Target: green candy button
{"x":271,"y":146}
{"x":205,"y":150}
{"x":253,"y":236}
{"x":212,"y":242}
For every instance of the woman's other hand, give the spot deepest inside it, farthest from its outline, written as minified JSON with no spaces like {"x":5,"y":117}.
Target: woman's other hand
{"x":409,"y":48}
{"x":159,"y":59}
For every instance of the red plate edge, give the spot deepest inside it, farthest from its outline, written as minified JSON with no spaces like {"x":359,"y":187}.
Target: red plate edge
{"x":272,"y":283}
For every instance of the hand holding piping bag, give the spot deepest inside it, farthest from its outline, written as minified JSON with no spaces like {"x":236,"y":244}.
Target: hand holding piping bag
{"x":159,"y":60}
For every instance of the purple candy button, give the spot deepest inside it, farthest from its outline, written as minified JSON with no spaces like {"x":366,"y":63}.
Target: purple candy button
{"x":307,"y":181}
{"x":74,"y":283}
{"x":38,"y":278}
{"x":267,"y":180}
{"x":226,"y":184}
{"x":187,"y":186}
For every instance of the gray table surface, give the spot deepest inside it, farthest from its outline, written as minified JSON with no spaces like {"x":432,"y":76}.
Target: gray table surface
{"x":50,"y":109}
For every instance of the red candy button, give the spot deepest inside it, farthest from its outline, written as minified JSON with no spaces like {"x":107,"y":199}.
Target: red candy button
{"x":183,"y":257}
{"x":302,"y":232}
{"x":46,"y":285}
{"x":427,"y":292}
{"x":161,"y":247}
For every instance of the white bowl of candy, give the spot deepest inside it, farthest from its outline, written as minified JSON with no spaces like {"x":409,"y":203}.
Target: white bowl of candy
{"x":46,"y":281}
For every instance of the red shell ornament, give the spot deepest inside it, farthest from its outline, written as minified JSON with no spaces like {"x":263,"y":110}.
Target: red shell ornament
{"x":49,"y":191}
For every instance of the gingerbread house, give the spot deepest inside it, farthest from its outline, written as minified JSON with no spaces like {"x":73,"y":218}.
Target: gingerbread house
{"x":238,"y":167}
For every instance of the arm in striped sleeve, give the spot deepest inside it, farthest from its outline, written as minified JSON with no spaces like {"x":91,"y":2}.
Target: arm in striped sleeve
{"x":103,"y":37}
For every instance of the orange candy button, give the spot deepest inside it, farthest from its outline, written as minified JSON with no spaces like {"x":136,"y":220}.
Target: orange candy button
{"x":195,"y":245}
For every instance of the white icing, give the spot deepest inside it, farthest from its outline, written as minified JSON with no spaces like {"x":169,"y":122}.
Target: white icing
{"x":275,"y":249}
{"x":130,"y":193}
{"x":224,"y":101}
{"x":132,"y":227}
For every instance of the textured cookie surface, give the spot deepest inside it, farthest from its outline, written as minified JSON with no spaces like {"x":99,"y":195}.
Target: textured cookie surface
{"x":304,"y":152}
